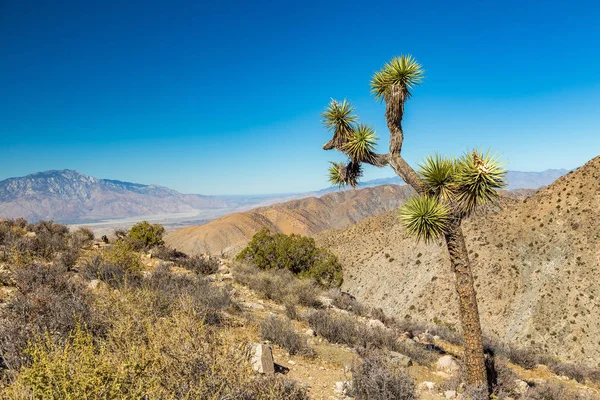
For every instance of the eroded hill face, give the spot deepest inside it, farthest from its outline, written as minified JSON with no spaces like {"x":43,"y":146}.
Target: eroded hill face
{"x":536,"y":264}
{"x":229,"y":234}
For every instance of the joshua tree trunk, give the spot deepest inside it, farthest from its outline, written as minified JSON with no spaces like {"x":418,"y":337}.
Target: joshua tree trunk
{"x":467,"y":301}
{"x":474,"y":358}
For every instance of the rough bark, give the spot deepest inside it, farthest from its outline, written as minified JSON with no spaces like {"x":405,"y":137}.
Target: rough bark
{"x":467,"y":302}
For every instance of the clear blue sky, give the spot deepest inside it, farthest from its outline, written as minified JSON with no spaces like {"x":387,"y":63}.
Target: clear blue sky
{"x":225,"y":99}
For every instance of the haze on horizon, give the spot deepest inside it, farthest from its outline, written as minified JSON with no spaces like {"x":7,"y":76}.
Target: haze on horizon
{"x":226,"y":99}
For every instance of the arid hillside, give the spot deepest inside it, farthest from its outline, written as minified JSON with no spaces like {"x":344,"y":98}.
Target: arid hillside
{"x":308,"y":216}
{"x":536,"y":264}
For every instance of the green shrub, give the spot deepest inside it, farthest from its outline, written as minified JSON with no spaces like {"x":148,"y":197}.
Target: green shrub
{"x":146,"y":235}
{"x":295,"y":253}
{"x":122,"y":254}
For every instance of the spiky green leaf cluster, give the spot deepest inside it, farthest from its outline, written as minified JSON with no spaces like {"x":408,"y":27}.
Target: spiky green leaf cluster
{"x":341,"y":174}
{"x":361,"y":143}
{"x":457,"y":187}
{"x":425,"y":217}
{"x":339,"y":117}
{"x":334,"y":174}
{"x":403,"y":71}
{"x":479,"y":176}
{"x":357,"y":141}
{"x":438,"y":173}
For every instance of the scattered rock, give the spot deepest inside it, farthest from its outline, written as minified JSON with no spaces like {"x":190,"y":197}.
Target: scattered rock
{"x":429,"y":386}
{"x":400,"y":359}
{"x":310,"y":332}
{"x":30,"y":235}
{"x":521,"y":386}
{"x":447,"y":364}
{"x":262,"y":358}
{"x":291,"y":362}
{"x":426,"y":338}
{"x":343,"y":387}
{"x":223,"y":269}
{"x":255,"y":306}
{"x":326,"y":301}
{"x":375,"y":323}
{"x":93,"y":284}
{"x":450,"y":394}
{"x":227,"y":276}
{"x":166,"y":264}
{"x":408,"y":340}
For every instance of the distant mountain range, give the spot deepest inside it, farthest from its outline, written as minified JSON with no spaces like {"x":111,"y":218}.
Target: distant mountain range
{"x":72,"y":197}
{"x":515,"y":179}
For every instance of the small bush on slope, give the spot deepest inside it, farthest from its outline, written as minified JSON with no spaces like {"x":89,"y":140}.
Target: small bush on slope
{"x":344,"y":329}
{"x":295,"y":253}
{"x":553,"y":391}
{"x":122,"y":254}
{"x":278,"y":285}
{"x":374,"y":378}
{"x":199,"y":264}
{"x":146,"y":235}
{"x":529,"y":358}
{"x":281,"y":332}
{"x":115,"y":275}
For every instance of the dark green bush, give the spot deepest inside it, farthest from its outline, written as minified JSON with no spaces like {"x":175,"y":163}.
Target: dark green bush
{"x":146,"y":235}
{"x":295,"y":253}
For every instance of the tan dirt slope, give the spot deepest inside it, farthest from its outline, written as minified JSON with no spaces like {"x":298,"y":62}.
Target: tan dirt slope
{"x":229,"y":234}
{"x":536,"y":264}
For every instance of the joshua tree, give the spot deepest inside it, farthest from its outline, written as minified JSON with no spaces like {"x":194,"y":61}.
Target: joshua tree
{"x":449,"y":189}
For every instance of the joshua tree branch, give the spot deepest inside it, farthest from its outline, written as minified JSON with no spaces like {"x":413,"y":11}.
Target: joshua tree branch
{"x":394,"y":111}
{"x":377,"y":160}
